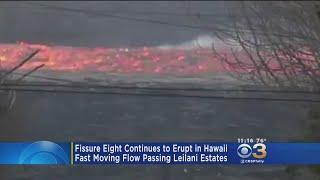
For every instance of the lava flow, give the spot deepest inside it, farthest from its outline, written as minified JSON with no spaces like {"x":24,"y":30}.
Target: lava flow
{"x":120,"y":60}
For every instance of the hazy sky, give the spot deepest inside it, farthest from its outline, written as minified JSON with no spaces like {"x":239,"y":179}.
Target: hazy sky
{"x":31,"y":22}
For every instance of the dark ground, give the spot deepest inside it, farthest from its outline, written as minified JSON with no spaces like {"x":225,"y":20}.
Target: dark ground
{"x":66,"y":117}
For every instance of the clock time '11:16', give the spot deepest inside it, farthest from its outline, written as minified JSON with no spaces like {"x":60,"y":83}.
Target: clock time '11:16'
{"x":251,"y":140}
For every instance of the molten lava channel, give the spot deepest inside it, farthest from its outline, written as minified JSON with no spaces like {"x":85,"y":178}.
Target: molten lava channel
{"x":114,"y":60}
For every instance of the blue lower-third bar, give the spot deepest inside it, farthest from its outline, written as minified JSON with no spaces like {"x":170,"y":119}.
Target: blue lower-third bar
{"x":87,"y":153}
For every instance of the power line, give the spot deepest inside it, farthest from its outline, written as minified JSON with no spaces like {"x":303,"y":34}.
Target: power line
{"x":100,"y":13}
{"x":173,"y":95}
{"x":83,"y":84}
{"x":20,"y":64}
{"x":47,"y":78}
{"x":206,"y":28}
{"x":161,"y":13}
{"x":116,"y":91}
{"x":95,"y":86}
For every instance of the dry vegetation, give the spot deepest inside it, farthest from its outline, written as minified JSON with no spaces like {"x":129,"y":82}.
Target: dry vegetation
{"x":275,"y":43}
{"x":8,"y":97}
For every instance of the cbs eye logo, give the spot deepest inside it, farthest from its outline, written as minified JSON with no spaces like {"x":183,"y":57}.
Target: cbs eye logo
{"x":43,"y":152}
{"x":244,"y":151}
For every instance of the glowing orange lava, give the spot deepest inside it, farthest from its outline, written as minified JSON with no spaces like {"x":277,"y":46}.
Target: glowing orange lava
{"x":121,"y":60}
{"x":148,"y":60}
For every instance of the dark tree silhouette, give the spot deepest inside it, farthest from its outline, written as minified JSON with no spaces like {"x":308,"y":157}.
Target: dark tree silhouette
{"x":277,"y":44}
{"x":274,"y":43}
{"x":7,"y":98}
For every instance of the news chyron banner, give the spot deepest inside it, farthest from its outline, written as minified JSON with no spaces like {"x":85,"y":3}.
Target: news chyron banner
{"x":245,"y":151}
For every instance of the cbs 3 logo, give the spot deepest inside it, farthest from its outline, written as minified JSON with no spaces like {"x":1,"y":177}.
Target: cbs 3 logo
{"x":245,"y":151}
